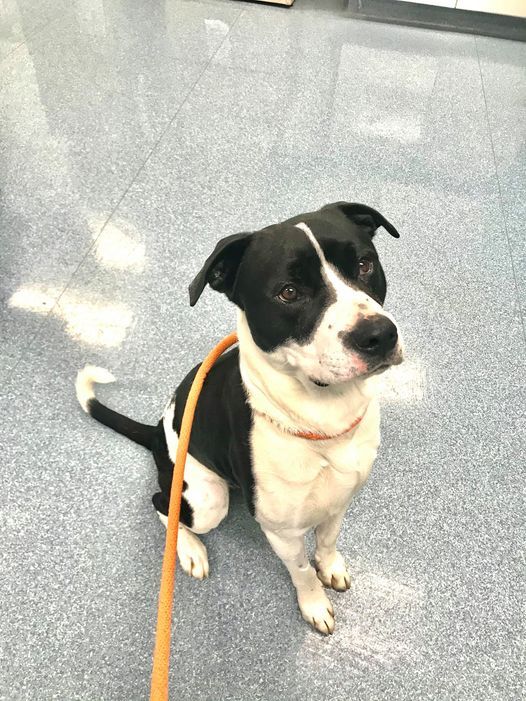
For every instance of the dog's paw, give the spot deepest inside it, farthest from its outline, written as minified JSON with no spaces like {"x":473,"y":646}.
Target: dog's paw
{"x":192,"y":554}
{"x":333,"y":573}
{"x":317,"y":610}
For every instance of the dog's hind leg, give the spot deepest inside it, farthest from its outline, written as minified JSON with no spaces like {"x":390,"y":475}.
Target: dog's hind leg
{"x":190,"y":550}
{"x":204,"y":504}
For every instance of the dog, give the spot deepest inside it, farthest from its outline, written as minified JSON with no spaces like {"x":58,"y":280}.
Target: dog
{"x":288,"y":416}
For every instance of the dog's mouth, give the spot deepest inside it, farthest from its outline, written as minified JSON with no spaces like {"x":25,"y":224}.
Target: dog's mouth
{"x":395,"y":359}
{"x":380,"y":368}
{"x":318,"y":383}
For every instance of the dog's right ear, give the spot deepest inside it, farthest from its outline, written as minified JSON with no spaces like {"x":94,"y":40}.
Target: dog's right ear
{"x":220,"y":268}
{"x":364,"y":216}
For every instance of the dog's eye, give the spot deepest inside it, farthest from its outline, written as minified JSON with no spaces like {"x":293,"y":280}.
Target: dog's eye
{"x":366,"y":267}
{"x":289,"y":294}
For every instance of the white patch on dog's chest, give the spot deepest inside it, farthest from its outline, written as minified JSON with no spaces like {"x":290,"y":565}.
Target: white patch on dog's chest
{"x":300,"y":483}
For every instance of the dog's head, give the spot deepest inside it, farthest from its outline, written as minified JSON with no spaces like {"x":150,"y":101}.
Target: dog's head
{"x":312,"y":290}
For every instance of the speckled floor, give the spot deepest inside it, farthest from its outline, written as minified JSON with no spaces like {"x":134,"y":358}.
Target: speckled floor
{"x":133,"y":135}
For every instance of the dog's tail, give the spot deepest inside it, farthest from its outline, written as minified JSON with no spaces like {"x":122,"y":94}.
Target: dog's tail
{"x":86,"y":378}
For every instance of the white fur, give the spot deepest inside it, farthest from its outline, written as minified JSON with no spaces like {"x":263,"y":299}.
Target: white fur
{"x":285,"y":393}
{"x":191,"y":551}
{"x":207,"y":493}
{"x":86,"y":378}
{"x":302,"y":484}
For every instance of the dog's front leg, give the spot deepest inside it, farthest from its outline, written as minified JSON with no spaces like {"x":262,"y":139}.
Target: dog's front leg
{"x":315,"y":607}
{"x":330,"y":564}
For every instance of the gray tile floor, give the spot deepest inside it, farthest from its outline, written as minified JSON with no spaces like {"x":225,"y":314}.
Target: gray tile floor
{"x":135,"y":134}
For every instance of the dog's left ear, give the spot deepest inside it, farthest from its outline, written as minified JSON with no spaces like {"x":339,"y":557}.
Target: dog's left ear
{"x":365,"y":216}
{"x":220,"y":268}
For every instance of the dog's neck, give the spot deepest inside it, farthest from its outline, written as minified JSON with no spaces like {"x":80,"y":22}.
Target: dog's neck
{"x":290,"y":400}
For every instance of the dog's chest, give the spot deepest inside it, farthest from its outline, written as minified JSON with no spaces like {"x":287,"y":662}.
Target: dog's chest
{"x":300,"y":483}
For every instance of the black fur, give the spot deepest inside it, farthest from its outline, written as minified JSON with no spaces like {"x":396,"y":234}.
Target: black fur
{"x":137,"y":432}
{"x":220,"y":268}
{"x":366,"y":217}
{"x":279,"y":255}
{"x":222,"y":424}
{"x":165,"y":468}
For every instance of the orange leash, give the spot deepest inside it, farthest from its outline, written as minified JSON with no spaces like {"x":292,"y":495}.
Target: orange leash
{"x":161,"y":655}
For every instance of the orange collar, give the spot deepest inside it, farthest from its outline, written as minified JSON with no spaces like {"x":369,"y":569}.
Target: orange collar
{"x":308,"y":435}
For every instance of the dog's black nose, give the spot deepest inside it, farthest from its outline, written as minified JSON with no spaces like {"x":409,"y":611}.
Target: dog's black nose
{"x":375,"y":335}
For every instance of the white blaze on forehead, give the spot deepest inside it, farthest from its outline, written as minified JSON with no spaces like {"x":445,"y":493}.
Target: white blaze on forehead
{"x":312,"y":239}
{"x":343,"y":290}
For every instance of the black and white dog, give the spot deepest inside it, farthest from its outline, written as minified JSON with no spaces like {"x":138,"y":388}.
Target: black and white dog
{"x":288,"y":416}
